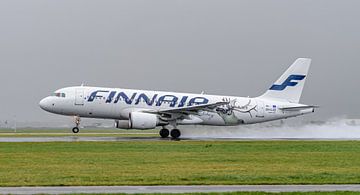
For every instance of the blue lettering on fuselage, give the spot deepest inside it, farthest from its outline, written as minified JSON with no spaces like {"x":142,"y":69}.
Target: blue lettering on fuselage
{"x":111,"y":97}
{"x":146,"y":99}
{"x":125,"y":97}
{"x":95,"y":95}
{"x":198,"y":101}
{"x":172,"y":100}
{"x":183,"y":101}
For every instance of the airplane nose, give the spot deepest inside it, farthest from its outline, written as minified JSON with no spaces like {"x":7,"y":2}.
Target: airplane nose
{"x":44,"y":103}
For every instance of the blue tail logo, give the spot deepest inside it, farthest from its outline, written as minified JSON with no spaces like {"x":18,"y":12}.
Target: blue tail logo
{"x":288,"y":82}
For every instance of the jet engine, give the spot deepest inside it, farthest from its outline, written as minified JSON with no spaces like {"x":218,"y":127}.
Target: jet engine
{"x":122,"y":124}
{"x":140,"y":120}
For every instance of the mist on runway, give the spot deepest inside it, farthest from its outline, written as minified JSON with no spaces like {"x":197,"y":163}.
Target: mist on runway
{"x":331,"y":129}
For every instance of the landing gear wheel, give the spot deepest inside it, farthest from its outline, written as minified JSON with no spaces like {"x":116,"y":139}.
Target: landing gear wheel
{"x":164,"y":133}
{"x":77,"y":124}
{"x":75,"y":130}
{"x":175,"y":133}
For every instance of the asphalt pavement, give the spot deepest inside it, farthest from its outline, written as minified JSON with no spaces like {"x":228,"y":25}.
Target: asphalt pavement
{"x":177,"y":189}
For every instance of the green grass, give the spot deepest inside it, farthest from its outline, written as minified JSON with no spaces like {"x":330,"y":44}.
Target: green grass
{"x":179,"y":163}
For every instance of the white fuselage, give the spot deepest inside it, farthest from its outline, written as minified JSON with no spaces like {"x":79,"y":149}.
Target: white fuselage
{"x":117,"y":104}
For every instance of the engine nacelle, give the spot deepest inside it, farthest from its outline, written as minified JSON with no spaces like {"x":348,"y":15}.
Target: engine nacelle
{"x":139,"y":120}
{"x":122,"y":124}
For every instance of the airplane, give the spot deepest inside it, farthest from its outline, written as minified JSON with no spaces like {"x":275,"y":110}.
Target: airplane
{"x":145,"y":110}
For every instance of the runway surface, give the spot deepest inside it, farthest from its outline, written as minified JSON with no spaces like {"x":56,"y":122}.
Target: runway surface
{"x":178,"y":189}
{"x":155,"y":138}
{"x":76,"y":139}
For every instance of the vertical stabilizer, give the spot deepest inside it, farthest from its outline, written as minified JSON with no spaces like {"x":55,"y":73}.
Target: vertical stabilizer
{"x":290,"y":85}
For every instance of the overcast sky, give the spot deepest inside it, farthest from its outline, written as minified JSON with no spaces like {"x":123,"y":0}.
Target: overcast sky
{"x":221,"y":47}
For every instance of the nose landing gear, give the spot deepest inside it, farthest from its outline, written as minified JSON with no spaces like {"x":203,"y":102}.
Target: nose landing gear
{"x":77,"y":123}
{"x":75,"y":130}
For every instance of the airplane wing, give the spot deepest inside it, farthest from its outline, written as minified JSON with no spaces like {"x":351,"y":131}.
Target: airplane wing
{"x":187,"y":110}
{"x":297,"y":108}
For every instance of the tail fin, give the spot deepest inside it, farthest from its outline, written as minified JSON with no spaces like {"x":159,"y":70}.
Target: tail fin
{"x":290,"y":85}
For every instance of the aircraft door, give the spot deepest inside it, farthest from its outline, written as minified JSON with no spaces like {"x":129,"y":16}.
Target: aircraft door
{"x":79,"y":97}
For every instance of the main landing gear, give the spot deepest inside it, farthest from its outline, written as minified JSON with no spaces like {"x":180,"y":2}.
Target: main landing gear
{"x":175,"y":133}
{"x":77,"y":123}
{"x":164,"y":133}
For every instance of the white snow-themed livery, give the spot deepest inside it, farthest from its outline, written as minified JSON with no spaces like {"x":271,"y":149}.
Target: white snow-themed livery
{"x":141,"y":109}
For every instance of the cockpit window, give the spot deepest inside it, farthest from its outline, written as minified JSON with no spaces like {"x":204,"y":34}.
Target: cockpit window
{"x":59,"y":95}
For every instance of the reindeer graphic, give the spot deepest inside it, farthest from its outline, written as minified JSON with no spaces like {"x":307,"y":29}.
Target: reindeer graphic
{"x":227,"y":111}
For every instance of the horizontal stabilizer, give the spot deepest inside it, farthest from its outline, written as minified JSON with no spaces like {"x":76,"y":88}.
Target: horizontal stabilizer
{"x":297,"y":108}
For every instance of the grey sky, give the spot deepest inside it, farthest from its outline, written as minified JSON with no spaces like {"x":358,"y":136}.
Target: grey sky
{"x":222,"y":47}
